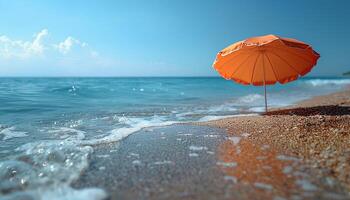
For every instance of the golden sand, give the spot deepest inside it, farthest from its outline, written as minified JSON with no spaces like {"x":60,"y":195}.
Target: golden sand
{"x":316,"y":132}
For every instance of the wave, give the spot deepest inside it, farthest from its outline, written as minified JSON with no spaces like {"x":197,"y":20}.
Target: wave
{"x":213,"y":118}
{"x":227,"y":107}
{"x":11,"y":132}
{"x":250,"y":98}
{"x":134,"y":125}
{"x":45,"y":170}
{"x":69,"y":89}
{"x":258,"y":109}
{"x":324,"y":82}
{"x":68,"y":133}
{"x":137,"y":124}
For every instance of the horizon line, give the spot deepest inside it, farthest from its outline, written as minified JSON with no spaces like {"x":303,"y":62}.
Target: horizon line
{"x":217,"y":76}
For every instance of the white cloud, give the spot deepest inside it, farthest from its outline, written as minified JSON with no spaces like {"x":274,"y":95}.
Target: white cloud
{"x":10,"y":48}
{"x":43,"y":55}
{"x":38,"y":47}
{"x":65,"y":46}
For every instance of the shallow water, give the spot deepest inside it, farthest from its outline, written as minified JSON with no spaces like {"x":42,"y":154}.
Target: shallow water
{"x":48,"y":125}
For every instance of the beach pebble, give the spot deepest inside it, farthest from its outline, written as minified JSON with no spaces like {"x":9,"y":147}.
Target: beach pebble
{"x":231,"y":178}
{"x":226,"y":164}
{"x":263,"y":186}
{"x":306,"y":185}
{"x":193,"y":155}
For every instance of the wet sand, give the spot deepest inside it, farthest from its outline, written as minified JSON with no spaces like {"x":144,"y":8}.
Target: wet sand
{"x":174,"y":162}
{"x":299,"y":152}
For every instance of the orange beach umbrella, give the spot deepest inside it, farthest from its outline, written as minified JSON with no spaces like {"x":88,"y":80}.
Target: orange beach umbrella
{"x":265,"y":60}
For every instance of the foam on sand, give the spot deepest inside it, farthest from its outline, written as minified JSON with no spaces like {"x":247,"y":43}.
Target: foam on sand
{"x":193,"y":155}
{"x":197,"y":148}
{"x":263,"y":186}
{"x":164,"y":162}
{"x":226,"y":164}
{"x":235,"y":139}
{"x":123,"y":132}
{"x":133,"y":125}
{"x":212,"y":118}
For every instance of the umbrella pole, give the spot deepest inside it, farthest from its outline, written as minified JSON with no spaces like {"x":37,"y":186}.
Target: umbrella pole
{"x":264,"y":86}
{"x":265,"y":98}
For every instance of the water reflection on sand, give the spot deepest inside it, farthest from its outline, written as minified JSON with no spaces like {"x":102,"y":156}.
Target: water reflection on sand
{"x":259,"y":171}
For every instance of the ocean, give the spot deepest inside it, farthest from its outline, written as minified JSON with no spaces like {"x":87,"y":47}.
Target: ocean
{"x":48,"y":126}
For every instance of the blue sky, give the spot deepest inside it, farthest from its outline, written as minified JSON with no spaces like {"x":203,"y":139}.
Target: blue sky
{"x":159,"y":38}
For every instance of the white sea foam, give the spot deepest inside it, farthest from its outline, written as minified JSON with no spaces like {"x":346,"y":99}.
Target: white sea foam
{"x":211,"y":136}
{"x":68,"y":133}
{"x":136,"y":162}
{"x":164,"y":162}
{"x":134,"y":155}
{"x":185,"y":134}
{"x":257,"y":109}
{"x":222,"y":108}
{"x":212,"y":110}
{"x":103,"y":156}
{"x":102,"y":168}
{"x":212,"y":118}
{"x":68,"y":193}
{"x":11,"y":132}
{"x":324,"y":82}
{"x":226,"y":164}
{"x":210,"y":152}
{"x":46,"y":169}
{"x":197,"y":148}
{"x":250,"y":98}
{"x":135,"y":124}
{"x":60,"y":193}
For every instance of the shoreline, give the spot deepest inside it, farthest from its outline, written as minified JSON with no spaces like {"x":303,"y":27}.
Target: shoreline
{"x":281,"y":155}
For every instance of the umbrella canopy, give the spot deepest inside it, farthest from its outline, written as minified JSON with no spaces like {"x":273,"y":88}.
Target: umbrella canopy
{"x":265,"y":60}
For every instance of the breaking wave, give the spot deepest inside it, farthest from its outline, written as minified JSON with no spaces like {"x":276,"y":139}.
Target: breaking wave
{"x":330,"y":82}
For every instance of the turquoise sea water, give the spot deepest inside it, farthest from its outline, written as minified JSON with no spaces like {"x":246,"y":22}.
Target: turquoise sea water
{"x":48,"y":125}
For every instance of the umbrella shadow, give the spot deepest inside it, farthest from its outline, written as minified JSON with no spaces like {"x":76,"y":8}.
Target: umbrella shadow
{"x":332,"y":110}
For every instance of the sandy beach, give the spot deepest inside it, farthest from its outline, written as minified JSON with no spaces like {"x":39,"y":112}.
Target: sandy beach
{"x":297,"y":152}
{"x":315,"y":132}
